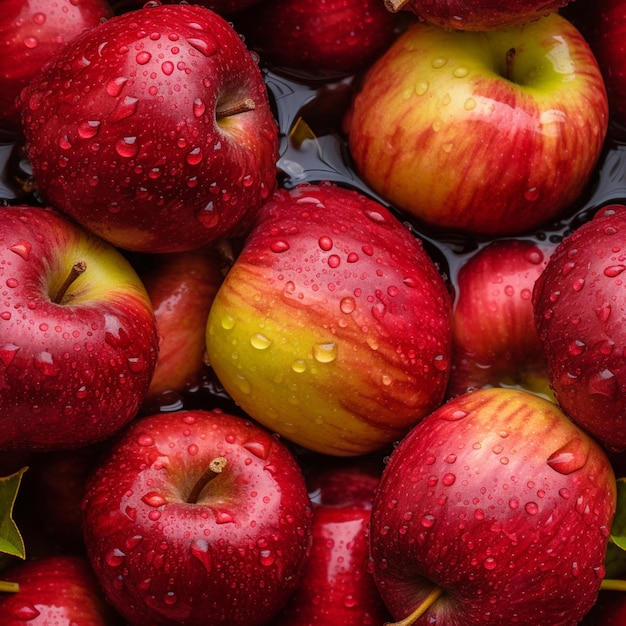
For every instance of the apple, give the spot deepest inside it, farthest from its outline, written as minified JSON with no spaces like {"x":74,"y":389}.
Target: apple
{"x":319,"y":39}
{"x":78,"y":341}
{"x":488,"y":133}
{"x":609,"y":610}
{"x":496,"y":508}
{"x":197,"y":517}
{"x":31,"y":32}
{"x":333,"y":326}
{"x":59,"y":589}
{"x":153,"y":130}
{"x":337,"y":586}
{"x":495,"y":341}
{"x":579,"y":306}
{"x":181,"y":286}
{"x":477,"y":15}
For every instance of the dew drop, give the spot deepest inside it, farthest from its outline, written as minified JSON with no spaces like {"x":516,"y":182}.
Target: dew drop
{"x":266,"y":557}
{"x":325,"y":352}
{"x":421,"y":87}
{"x":460,"y":72}
{"x":143,"y":57}
{"x":260,"y":341}
{"x":44,"y":363}
{"x":7,"y":353}
{"x":200,"y":550}
{"x":299,"y":366}
{"x":334,"y":261}
{"x":206,"y":48}
{"x":280,"y":245}
{"x":325,"y":243}
{"x":153,"y":499}
{"x":124,"y":109}
{"x":114,"y":87}
{"x":115,"y":557}
{"x":222,"y":517}
{"x":570,"y":457}
{"x":347,"y":305}
{"x":24,"y":610}
{"x":489,"y":563}
{"x":227,"y":322}
{"x":22,"y":248}
{"x":167,"y":67}
{"x":428,"y":521}
{"x":198,"y":107}
{"x":127,"y":147}
{"x":448,"y":479}
{"x":531,"y":508}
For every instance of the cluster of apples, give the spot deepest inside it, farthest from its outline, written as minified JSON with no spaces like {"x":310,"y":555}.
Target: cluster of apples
{"x":312,"y":312}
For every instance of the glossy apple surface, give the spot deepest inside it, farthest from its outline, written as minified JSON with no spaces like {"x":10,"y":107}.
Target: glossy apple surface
{"x":333,"y":326}
{"x":495,"y":341}
{"x":477,"y":15}
{"x":75,"y":361}
{"x":579,"y":305}
{"x":500,"y":503}
{"x":55,"y":590}
{"x":154,"y":130}
{"x":31,"y":31}
{"x":175,"y":538}
{"x":489,"y":133}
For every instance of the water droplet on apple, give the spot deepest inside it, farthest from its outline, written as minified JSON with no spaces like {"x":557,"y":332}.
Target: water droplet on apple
{"x":325,"y":243}
{"x":114,"y":87}
{"x":260,"y":341}
{"x":460,"y":72}
{"x":44,"y":363}
{"x":428,"y":520}
{"x":469,"y":104}
{"x":531,"y":508}
{"x":334,"y":261}
{"x":570,"y":457}
{"x":299,"y":366}
{"x":200,"y":550}
{"x":145,"y":440}
{"x":170,"y":598}
{"x":153,"y":499}
{"x":115,"y":557}
{"x":531,"y":194}
{"x":143,"y":57}
{"x":127,"y":147}
{"x":325,"y":352}
{"x":260,"y":449}
{"x":22,"y":248}
{"x":448,"y":479}
{"x":23,"y":610}
{"x":243,"y":384}
{"x":205,"y":46}
{"x":279,"y":245}
{"x":222,"y":517}
{"x":7,"y":353}
{"x":421,"y":87}
{"x":136,"y":364}
{"x":347,"y":305}
{"x":266,"y":557}
{"x":603,"y":383}
{"x":438,"y":62}
{"x":124,"y":109}
{"x":198,"y":107}
{"x":489,"y":563}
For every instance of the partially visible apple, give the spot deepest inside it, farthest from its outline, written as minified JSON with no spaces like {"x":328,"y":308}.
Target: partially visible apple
{"x":489,"y":133}
{"x":496,"y":508}
{"x":197,"y":517}
{"x":78,"y":342}
{"x":580,"y":312}
{"x":153,"y":130}
{"x":31,"y":32}
{"x":319,"y":38}
{"x":477,"y":15}
{"x":337,"y":586}
{"x":609,"y":610}
{"x":333,"y":326}
{"x":55,"y":590}
{"x":495,"y":341}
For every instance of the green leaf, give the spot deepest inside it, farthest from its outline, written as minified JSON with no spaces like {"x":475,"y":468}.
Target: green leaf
{"x":11,"y":541}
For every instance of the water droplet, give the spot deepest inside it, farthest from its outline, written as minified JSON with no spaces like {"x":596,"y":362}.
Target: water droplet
{"x":280,"y":245}
{"x":531,"y":194}
{"x":143,"y":57}
{"x":299,"y":366}
{"x":531,"y":508}
{"x":31,"y":42}
{"x":325,"y":243}
{"x":124,"y":109}
{"x":614,"y":270}
{"x":260,"y":341}
{"x":489,"y":563}
{"x":198,"y":107}
{"x":570,"y":457}
{"x":460,"y":72}
{"x":114,"y":87}
{"x":115,"y":557}
{"x":22,"y":248}
{"x":347,"y":305}
{"x":204,"y":46}
{"x":266,"y":557}
{"x":469,"y":104}
{"x":260,"y":449}
{"x":208,"y":217}
{"x":136,"y":364}
{"x":428,"y":520}
{"x":325,"y":352}
{"x":421,"y":87}
{"x":448,"y":479}
{"x":334,"y":261}
{"x":44,"y":363}
{"x":170,"y":598}
{"x":222,"y":517}
{"x":438,"y":62}
{"x":200,"y":550}
{"x":603,"y":383}
{"x":23,"y":610}
{"x":127,"y":147}
{"x":7,"y":353}
{"x":153,"y":499}
{"x":145,"y":440}
{"x":228,"y":322}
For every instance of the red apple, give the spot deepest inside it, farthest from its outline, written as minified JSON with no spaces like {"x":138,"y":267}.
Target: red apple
{"x":333,"y":326}
{"x":496,"y":509}
{"x":31,"y":32}
{"x":181,"y":287}
{"x":477,"y":15}
{"x":580,"y":306}
{"x":495,"y":341}
{"x":337,"y":586}
{"x":319,"y":39}
{"x":197,"y":517}
{"x":609,"y":610}
{"x":489,"y":133}
{"x":55,"y":590}
{"x":153,"y":130}
{"x":78,"y":342}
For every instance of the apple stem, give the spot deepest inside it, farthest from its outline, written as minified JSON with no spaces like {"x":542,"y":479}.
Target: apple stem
{"x":511,"y":53}
{"x":9,"y":587}
{"x":216,"y":466}
{"x":428,"y":601}
{"x":613,"y":584}
{"x":77,"y":269}
{"x":241,"y":107}
{"x":395,"y":5}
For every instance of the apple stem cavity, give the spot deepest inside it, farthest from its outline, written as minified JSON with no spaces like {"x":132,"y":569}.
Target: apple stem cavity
{"x":613,"y":584}
{"x":241,"y":107}
{"x":9,"y":587}
{"x":216,"y":466}
{"x":77,"y":269}
{"x":511,"y":54}
{"x":428,"y":601}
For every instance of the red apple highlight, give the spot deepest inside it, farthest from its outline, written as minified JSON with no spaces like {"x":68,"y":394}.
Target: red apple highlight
{"x":497,"y":509}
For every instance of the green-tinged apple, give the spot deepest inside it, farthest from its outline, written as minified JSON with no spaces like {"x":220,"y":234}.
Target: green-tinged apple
{"x":495,"y":509}
{"x":337,"y":586}
{"x":333,"y":326}
{"x":78,"y":340}
{"x":181,"y":286}
{"x":153,"y":130}
{"x":477,"y":15}
{"x":55,"y":590}
{"x":580,"y":312}
{"x":197,"y":517}
{"x":489,"y":133}
{"x":495,"y":342}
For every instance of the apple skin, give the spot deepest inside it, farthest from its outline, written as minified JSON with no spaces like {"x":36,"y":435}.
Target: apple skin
{"x":333,"y":326}
{"x":318,"y":39}
{"x":609,"y":610}
{"x":56,"y":589}
{"x":477,"y":15}
{"x":31,"y":31}
{"x":579,"y":306}
{"x":252,"y":522}
{"x":501,"y":501}
{"x":495,"y":341}
{"x":181,"y":286}
{"x":76,"y":371}
{"x":337,"y":586}
{"x":134,"y":149}
{"x":437,"y":129}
